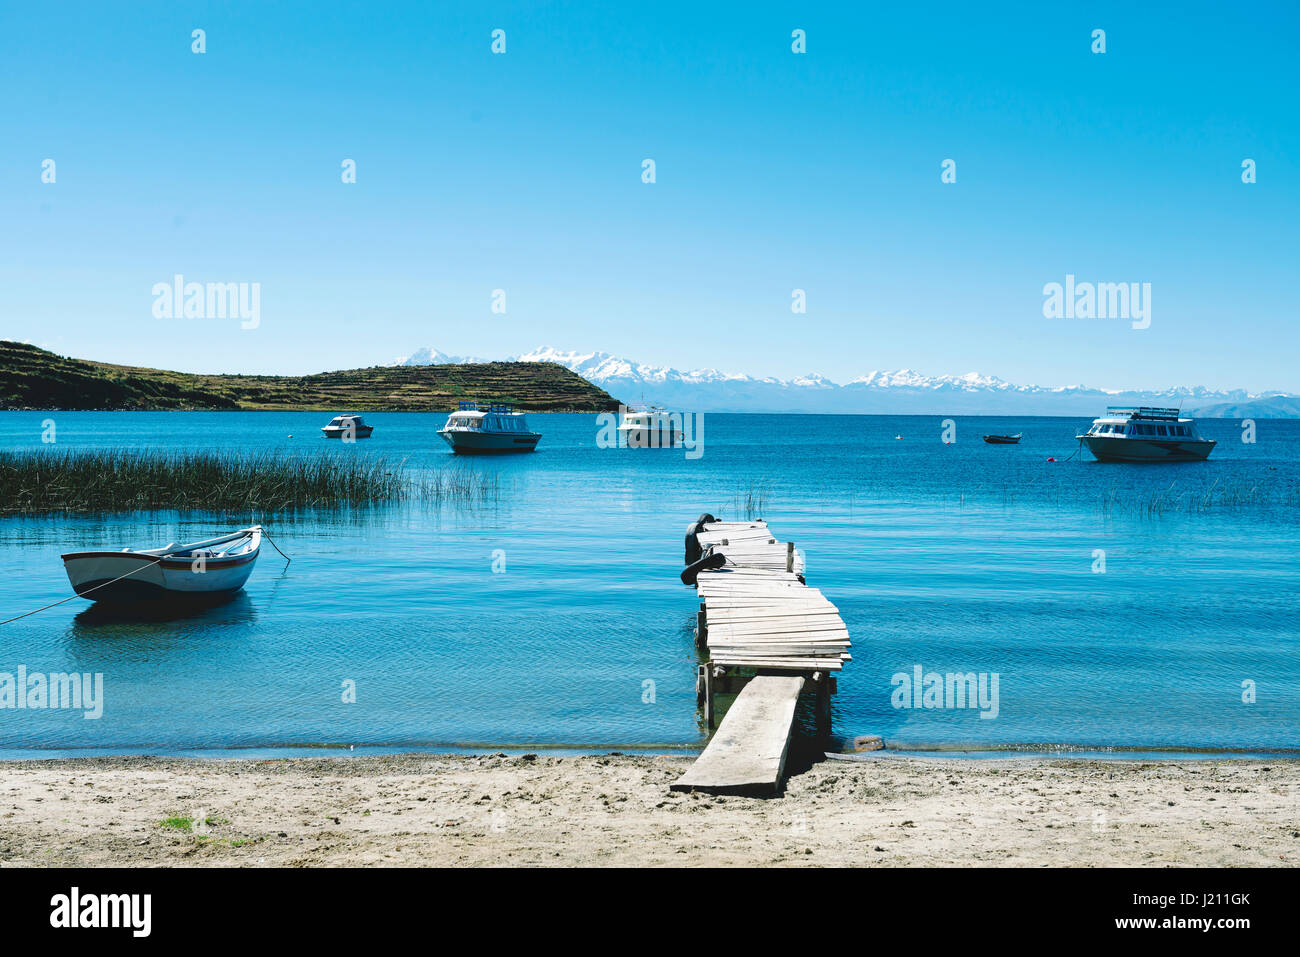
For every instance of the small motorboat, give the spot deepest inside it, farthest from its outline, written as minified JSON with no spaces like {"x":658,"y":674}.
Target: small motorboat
{"x":210,"y":569}
{"x":1003,"y":439}
{"x":472,"y":430}
{"x":347,"y":427}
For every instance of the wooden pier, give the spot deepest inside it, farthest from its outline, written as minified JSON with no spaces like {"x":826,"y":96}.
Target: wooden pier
{"x":756,"y":615}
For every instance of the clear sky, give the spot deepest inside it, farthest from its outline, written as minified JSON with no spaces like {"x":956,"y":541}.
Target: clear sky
{"x":775,"y":171}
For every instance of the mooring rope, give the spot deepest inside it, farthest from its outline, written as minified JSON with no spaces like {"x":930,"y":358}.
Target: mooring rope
{"x":79,"y":594}
{"x":286,"y":558}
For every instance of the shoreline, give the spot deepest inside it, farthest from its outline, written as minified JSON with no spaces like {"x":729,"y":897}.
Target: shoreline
{"x":936,"y":752}
{"x":597,"y":810}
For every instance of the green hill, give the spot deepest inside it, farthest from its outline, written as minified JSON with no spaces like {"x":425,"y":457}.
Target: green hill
{"x":32,"y":378}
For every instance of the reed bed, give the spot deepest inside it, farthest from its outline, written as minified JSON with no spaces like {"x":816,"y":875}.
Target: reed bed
{"x":116,"y":480}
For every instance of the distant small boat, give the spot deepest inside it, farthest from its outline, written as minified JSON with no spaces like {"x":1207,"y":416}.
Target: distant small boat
{"x":496,"y":429}
{"x":1003,"y":439}
{"x":213,"y":568}
{"x":341,"y":426}
{"x":652,"y":428}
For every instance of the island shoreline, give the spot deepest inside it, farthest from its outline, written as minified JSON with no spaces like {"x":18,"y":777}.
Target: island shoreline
{"x":617,"y":810}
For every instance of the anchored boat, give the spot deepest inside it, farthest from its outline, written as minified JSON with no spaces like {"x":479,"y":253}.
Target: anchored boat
{"x":1003,"y":439}
{"x":209,"y":569}
{"x":1145,"y":434}
{"x":472,"y":430}
{"x":652,"y":428}
{"x":345,"y":426}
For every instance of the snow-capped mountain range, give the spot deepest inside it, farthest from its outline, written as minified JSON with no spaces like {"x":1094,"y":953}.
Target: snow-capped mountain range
{"x":900,"y":392}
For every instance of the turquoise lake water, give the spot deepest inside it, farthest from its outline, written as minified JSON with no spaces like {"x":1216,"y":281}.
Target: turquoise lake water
{"x":955,"y":558}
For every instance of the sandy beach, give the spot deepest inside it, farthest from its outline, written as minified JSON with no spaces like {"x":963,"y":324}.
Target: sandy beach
{"x":499,"y":810}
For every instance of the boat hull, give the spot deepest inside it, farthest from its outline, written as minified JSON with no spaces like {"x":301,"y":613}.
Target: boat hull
{"x":651,"y":438}
{"x":94,"y":575}
{"x":1002,"y":439}
{"x":469,"y":442}
{"x":362,"y":432}
{"x":1143,"y":450}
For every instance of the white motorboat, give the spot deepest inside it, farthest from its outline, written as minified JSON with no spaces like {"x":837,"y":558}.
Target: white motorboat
{"x":213,"y":568}
{"x":1145,"y":434}
{"x":652,"y":428}
{"x":471,"y":430}
{"x":347,"y":427}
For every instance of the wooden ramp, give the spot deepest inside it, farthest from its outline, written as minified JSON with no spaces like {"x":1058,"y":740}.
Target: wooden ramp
{"x":757,"y":615}
{"x":747,"y":753}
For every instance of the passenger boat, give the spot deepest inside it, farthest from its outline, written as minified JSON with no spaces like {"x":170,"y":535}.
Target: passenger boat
{"x":652,"y":428}
{"x":1003,"y":439}
{"x":1145,"y":434}
{"x":472,"y":430}
{"x":345,"y":426}
{"x":209,"y":569}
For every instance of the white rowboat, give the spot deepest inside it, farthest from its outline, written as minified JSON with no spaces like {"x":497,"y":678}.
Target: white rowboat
{"x":209,"y":569}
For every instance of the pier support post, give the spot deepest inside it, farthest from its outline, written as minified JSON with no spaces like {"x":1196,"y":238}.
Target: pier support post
{"x":823,"y":684}
{"x":701,"y":628}
{"x":789,"y":556}
{"x":708,"y":696}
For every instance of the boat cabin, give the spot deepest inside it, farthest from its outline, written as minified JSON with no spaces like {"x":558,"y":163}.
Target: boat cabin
{"x":497,"y":418}
{"x":1144,"y":422}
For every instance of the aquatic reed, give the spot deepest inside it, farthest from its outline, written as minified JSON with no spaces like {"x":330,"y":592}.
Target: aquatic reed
{"x":1216,"y":496}
{"x":751,"y":502}
{"x":120,"y":480}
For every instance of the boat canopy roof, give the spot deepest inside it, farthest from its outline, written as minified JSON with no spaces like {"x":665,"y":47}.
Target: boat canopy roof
{"x":469,"y":406}
{"x":1142,"y":412}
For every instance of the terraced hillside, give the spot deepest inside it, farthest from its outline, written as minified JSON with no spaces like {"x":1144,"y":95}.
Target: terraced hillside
{"x":32,"y":378}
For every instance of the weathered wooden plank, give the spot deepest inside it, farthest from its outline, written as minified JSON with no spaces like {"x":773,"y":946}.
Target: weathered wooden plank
{"x":760,"y":590}
{"x":792,"y":654}
{"x":718,"y":605}
{"x":735,"y":535}
{"x":730,"y":631}
{"x":808,"y":623}
{"x":790,"y":664}
{"x":782,"y":650}
{"x":740,"y":571}
{"x":748,"y":751}
{"x":777,"y":580}
{"x":796,"y":600}
{"x":835,"y":646}
{"x":761,"y":626}
{"x":790,"y":587}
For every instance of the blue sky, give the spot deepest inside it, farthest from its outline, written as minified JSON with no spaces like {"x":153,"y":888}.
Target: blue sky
{"x":775,"y":171}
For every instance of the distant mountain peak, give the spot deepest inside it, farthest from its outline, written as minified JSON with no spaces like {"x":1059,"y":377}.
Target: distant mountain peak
{"x":432,"y":357}
{"x":902,"y":391}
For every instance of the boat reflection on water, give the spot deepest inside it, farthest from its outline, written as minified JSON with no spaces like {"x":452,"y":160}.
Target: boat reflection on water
{"x":106,"y":617}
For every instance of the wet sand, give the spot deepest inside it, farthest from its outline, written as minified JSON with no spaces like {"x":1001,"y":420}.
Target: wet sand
{"x":498,"y":810}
